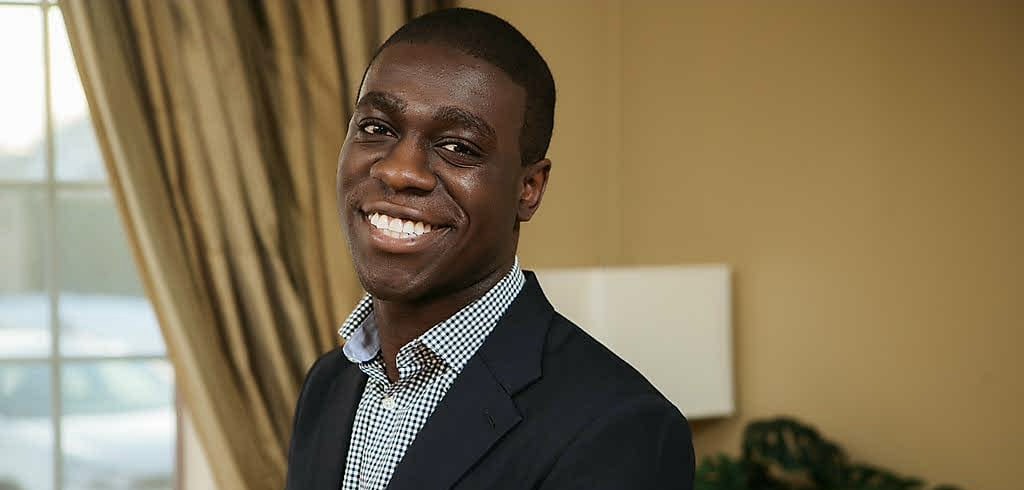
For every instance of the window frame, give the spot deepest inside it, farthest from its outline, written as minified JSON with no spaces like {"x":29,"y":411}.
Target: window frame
{"x":51,"y":187}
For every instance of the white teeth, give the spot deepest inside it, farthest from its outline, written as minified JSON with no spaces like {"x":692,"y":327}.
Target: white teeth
{"x":395,"y":224}
{"x":399,"y":228}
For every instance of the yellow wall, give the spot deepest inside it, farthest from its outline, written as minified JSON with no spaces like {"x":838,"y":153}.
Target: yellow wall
{"x":861,"y":166}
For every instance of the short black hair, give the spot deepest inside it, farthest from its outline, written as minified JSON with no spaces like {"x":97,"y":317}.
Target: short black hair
{"x":492,"y":39}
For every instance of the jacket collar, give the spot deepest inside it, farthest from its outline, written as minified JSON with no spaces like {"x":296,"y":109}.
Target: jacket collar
{"x":515,"y":348}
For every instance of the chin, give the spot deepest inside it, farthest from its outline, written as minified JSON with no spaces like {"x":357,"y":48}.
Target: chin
{"x":389,"y":291}
{"x":391,"y":282}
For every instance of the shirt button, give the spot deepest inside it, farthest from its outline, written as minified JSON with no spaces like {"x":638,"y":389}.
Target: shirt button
{"x":388,"y":402}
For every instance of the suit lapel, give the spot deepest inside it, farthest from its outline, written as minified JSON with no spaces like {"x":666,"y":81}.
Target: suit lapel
{"x":478,"y":409}
{"x":335,"y":429}
{"x":474,"y":414}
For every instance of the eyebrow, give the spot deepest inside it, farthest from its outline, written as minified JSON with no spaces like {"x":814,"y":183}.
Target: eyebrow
{"x":382,"y":101}
{"x":460,"y":117}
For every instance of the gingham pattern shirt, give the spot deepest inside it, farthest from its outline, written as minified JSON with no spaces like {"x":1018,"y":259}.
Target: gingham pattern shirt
{"x":390,"y":415}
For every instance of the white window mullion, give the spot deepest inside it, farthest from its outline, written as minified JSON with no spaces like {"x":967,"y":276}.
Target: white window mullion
{"x":74,"y":359}
{"x":19,"y":4}
{"x":52,"y":278}
{"x":72,"y":185}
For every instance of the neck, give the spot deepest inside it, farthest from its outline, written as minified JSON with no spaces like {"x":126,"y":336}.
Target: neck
{"x":398,"y":323}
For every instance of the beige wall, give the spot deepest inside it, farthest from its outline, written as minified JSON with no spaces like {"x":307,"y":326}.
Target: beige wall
{"x":573,"y":227}
{"x":861,"y":166}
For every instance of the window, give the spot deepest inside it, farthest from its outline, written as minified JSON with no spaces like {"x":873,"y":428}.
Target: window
{"x":86,"y":392}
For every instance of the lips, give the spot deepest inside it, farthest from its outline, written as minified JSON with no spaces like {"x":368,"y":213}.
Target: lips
{"x":399,"y":229}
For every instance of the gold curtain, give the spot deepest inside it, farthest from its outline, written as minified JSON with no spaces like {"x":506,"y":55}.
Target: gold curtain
{"x":220,"y":124}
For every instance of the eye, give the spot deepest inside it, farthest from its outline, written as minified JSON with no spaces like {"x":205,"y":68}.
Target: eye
{"x":376,"y":129}
{"x":460,"y":148}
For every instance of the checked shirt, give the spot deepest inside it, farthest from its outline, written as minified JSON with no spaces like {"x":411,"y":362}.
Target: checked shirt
{"x":390,"y":415}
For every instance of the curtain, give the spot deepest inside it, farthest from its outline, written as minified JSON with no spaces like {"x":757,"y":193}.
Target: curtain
{"x":220,"y":124}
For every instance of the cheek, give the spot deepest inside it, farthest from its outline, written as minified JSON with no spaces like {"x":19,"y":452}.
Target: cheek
{"x":353,"y":163}
{"x":487,"y":198}
{"x":345,"y":171}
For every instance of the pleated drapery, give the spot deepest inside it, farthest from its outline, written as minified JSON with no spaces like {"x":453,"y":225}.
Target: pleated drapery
{"x":220,"y":123}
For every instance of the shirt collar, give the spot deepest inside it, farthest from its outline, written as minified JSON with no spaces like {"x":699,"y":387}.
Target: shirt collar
{"x":455,"y":340}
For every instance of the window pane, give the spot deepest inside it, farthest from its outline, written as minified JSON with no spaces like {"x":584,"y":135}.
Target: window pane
{"x":22,"y":150}
{"x":24,"y":302}
{"x":26,"y":430}
{"x":77,"y":155}
{"x":103,"y":310}
{"x":118,"y":425}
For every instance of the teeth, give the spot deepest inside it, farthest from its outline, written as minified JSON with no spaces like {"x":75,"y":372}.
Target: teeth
{"x":399,"y":228}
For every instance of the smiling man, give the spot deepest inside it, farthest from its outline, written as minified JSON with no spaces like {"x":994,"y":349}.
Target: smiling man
{"x":456,"y":371}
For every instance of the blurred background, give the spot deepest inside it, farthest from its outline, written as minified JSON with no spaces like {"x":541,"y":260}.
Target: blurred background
{"x":171,"y":263}
{"x":860,"y":165}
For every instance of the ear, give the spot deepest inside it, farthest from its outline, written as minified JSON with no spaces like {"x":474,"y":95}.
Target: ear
{"x":535,"y":181}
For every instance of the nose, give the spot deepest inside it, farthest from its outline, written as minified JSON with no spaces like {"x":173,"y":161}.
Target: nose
{"x":405,"y":168}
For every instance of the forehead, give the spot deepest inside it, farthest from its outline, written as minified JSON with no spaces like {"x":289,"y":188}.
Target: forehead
{"x":428,"y":77}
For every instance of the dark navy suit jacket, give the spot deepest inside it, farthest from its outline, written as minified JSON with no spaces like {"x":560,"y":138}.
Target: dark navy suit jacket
{"x":542,"y":405}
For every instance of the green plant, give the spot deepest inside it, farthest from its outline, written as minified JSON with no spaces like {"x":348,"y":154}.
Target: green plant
{"x":785,"y":454}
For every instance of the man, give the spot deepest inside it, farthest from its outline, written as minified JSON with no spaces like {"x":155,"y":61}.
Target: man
{"x":456,"y":371}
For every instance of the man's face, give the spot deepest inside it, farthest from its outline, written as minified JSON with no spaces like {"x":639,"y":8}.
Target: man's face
{"x":430,"y":183}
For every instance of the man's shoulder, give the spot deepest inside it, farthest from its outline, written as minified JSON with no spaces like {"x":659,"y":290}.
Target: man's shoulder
{"x":320,"y":383}
{"x":330,"y":362}
{"x":578,"y":369}
{"x":326,"y":370}
{"x":586,"y":405}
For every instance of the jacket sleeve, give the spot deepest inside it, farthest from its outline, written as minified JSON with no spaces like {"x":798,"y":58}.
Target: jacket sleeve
{"x":638,"y":446}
